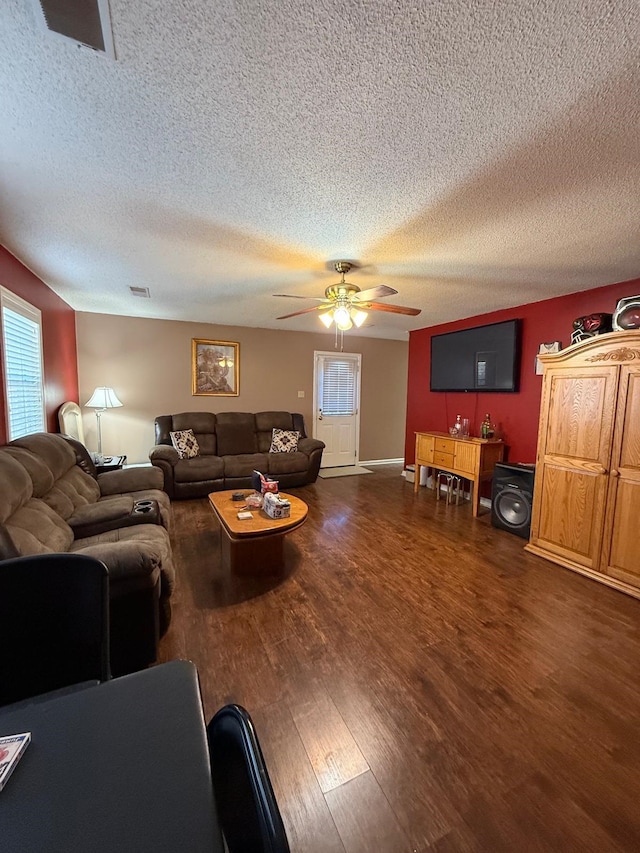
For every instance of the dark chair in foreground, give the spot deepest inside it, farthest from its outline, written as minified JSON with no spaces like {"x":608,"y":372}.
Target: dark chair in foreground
{"x":54,"y":624}
{"x":247,"y":809}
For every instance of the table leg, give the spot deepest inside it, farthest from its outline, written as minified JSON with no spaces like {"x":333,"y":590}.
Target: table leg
{"x":259,"y":554}
{"x":475,"y":485}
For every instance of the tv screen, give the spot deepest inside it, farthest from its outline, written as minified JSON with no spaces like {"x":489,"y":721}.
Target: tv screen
{"x":485,"y":358}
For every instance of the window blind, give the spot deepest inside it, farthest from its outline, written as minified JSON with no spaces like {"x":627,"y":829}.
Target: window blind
{"x":22,"y":353}
{"x":338,"y":386}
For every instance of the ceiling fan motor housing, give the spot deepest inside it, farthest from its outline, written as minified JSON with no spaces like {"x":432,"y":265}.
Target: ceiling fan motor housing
{"x":342,"y":291}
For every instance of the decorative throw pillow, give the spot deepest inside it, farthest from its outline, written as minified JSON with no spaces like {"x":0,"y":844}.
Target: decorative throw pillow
{"x":284,"y":441}
{"x":185,"y":443}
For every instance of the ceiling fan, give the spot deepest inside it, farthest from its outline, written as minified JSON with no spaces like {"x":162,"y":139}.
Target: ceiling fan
{"x":345,"y":304}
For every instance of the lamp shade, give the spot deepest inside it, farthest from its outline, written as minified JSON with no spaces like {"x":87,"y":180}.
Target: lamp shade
{"x":103,"y":398}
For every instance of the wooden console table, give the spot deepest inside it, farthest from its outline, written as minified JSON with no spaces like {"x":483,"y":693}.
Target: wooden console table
{"x":470,"y":458}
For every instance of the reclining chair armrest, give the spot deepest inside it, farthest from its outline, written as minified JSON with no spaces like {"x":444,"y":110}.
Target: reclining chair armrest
{"x":128,"y":480}
{"x":308,"y":445}
{"x":134,"y":603}
{"x":313,"y":448}
{"x":165,"y":452}
{"x":165,"y":457}
{"x":131,"y":565}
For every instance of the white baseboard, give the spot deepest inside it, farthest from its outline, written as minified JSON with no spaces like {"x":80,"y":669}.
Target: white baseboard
{"x":382,"y":461}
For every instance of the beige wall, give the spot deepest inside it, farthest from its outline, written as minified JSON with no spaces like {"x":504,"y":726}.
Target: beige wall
{"x":148,"y":363}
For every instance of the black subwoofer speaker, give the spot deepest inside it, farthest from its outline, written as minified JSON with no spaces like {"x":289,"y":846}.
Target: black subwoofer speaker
{"x":512,"y":498}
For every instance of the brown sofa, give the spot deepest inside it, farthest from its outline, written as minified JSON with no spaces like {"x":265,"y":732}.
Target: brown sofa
{"x":51,"y":503}
{"x":232,"y":445}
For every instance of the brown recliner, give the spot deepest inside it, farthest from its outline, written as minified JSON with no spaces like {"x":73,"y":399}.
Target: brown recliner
{"x":49,"y":504}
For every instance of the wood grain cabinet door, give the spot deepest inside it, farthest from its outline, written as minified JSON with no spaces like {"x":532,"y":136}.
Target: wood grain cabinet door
{"x":621,"y":551}
{"x":466,"y":460}
{"x":424,"y":448}
{"x":572,"y":472}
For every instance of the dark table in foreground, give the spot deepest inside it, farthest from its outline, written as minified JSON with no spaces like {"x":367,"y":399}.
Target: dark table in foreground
{"x":120,"y":766}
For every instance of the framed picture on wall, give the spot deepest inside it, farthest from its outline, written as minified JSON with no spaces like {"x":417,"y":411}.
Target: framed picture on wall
{"x":215,"y":368}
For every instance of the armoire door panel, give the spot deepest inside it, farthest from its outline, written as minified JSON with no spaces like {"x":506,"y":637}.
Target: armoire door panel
{"x":630,"y":398}
{"x":581,"y":413}
{"x":623,"y":558}
{"x":621,"y":547}
{"x":571,"y":514}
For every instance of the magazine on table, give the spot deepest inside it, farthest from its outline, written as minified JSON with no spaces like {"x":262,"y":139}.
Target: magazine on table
{"x":12,"y":748}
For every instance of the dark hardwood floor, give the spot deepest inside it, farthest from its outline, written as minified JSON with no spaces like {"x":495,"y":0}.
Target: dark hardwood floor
{"x":418,"y":681}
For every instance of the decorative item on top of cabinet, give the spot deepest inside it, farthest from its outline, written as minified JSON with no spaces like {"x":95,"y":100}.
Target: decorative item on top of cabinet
{"x":586,"y":501}
{"x":627,"y":314}
{"x":590,"y":326}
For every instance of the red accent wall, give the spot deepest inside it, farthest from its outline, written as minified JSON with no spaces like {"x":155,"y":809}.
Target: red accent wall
{"x":58,"y":339}
{"x":516,"y":415}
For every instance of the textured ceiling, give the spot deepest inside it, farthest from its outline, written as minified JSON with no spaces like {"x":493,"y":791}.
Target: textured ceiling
{"x":472,"y":154}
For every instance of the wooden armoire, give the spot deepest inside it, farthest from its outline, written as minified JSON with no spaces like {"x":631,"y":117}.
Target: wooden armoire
{"x":586,"y":502}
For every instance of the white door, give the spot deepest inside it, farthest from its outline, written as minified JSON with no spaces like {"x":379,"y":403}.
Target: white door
{"x":336,"y":404}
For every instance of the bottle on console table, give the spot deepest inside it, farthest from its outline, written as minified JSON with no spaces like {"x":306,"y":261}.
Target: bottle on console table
{"x":487,"y":430}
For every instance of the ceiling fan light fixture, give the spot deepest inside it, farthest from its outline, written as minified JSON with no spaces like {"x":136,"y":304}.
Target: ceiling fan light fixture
{"x":358,"y":317}
{"x":327,"y":318}
{"x":342,"y":318}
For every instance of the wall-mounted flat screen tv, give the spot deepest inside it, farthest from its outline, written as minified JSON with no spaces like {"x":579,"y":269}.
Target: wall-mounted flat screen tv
{"x":484,"y":358}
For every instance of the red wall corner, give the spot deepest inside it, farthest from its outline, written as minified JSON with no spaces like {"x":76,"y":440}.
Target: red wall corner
{"x":516,"y":415}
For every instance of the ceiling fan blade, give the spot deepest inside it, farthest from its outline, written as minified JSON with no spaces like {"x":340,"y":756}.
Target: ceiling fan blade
{"x":296,"y":296}
{"x":392,"y":309}
{"x":304,"y":311}
{"x":374,"y":293}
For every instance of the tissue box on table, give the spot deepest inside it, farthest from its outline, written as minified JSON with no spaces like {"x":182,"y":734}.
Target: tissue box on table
{"x":276,"y":506}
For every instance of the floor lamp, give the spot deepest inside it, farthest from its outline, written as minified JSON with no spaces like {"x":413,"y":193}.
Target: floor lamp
{"x":101,"y":400}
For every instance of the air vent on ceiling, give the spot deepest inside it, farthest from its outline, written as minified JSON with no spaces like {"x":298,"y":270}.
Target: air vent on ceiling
{"x":140,"y":291}
{"x":87,"y":22}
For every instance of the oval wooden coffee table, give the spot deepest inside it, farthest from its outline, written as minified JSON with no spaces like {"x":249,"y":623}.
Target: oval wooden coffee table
{"x":254,"y":544}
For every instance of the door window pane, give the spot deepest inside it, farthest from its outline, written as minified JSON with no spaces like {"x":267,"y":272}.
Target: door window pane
{"x":338,"y":392}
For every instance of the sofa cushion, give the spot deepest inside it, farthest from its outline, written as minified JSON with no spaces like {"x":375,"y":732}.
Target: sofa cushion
{"x":53,"y":450}
{"x":236,"y":433}
{"x":244,"y":464}
{"x":199,"y":469}
{"x":284,"y":441}
{"x":287,"y":463}
{"x":16,"y":487}
{"x":266,"y":422}
{"x":8,"y":549}
{"x":72,"y":491}
{"x":203,"y":425}
{"x":42,"y":479}
{"x":185,"y":443}
{"x":51,"y":463}
{"x":36,"y":529}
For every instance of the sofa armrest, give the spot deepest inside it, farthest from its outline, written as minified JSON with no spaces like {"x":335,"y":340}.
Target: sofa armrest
{"x":132,"y":565}
{"x":128,"y":480}
{"x":308,"y":445}
{"x":165,"y":452}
